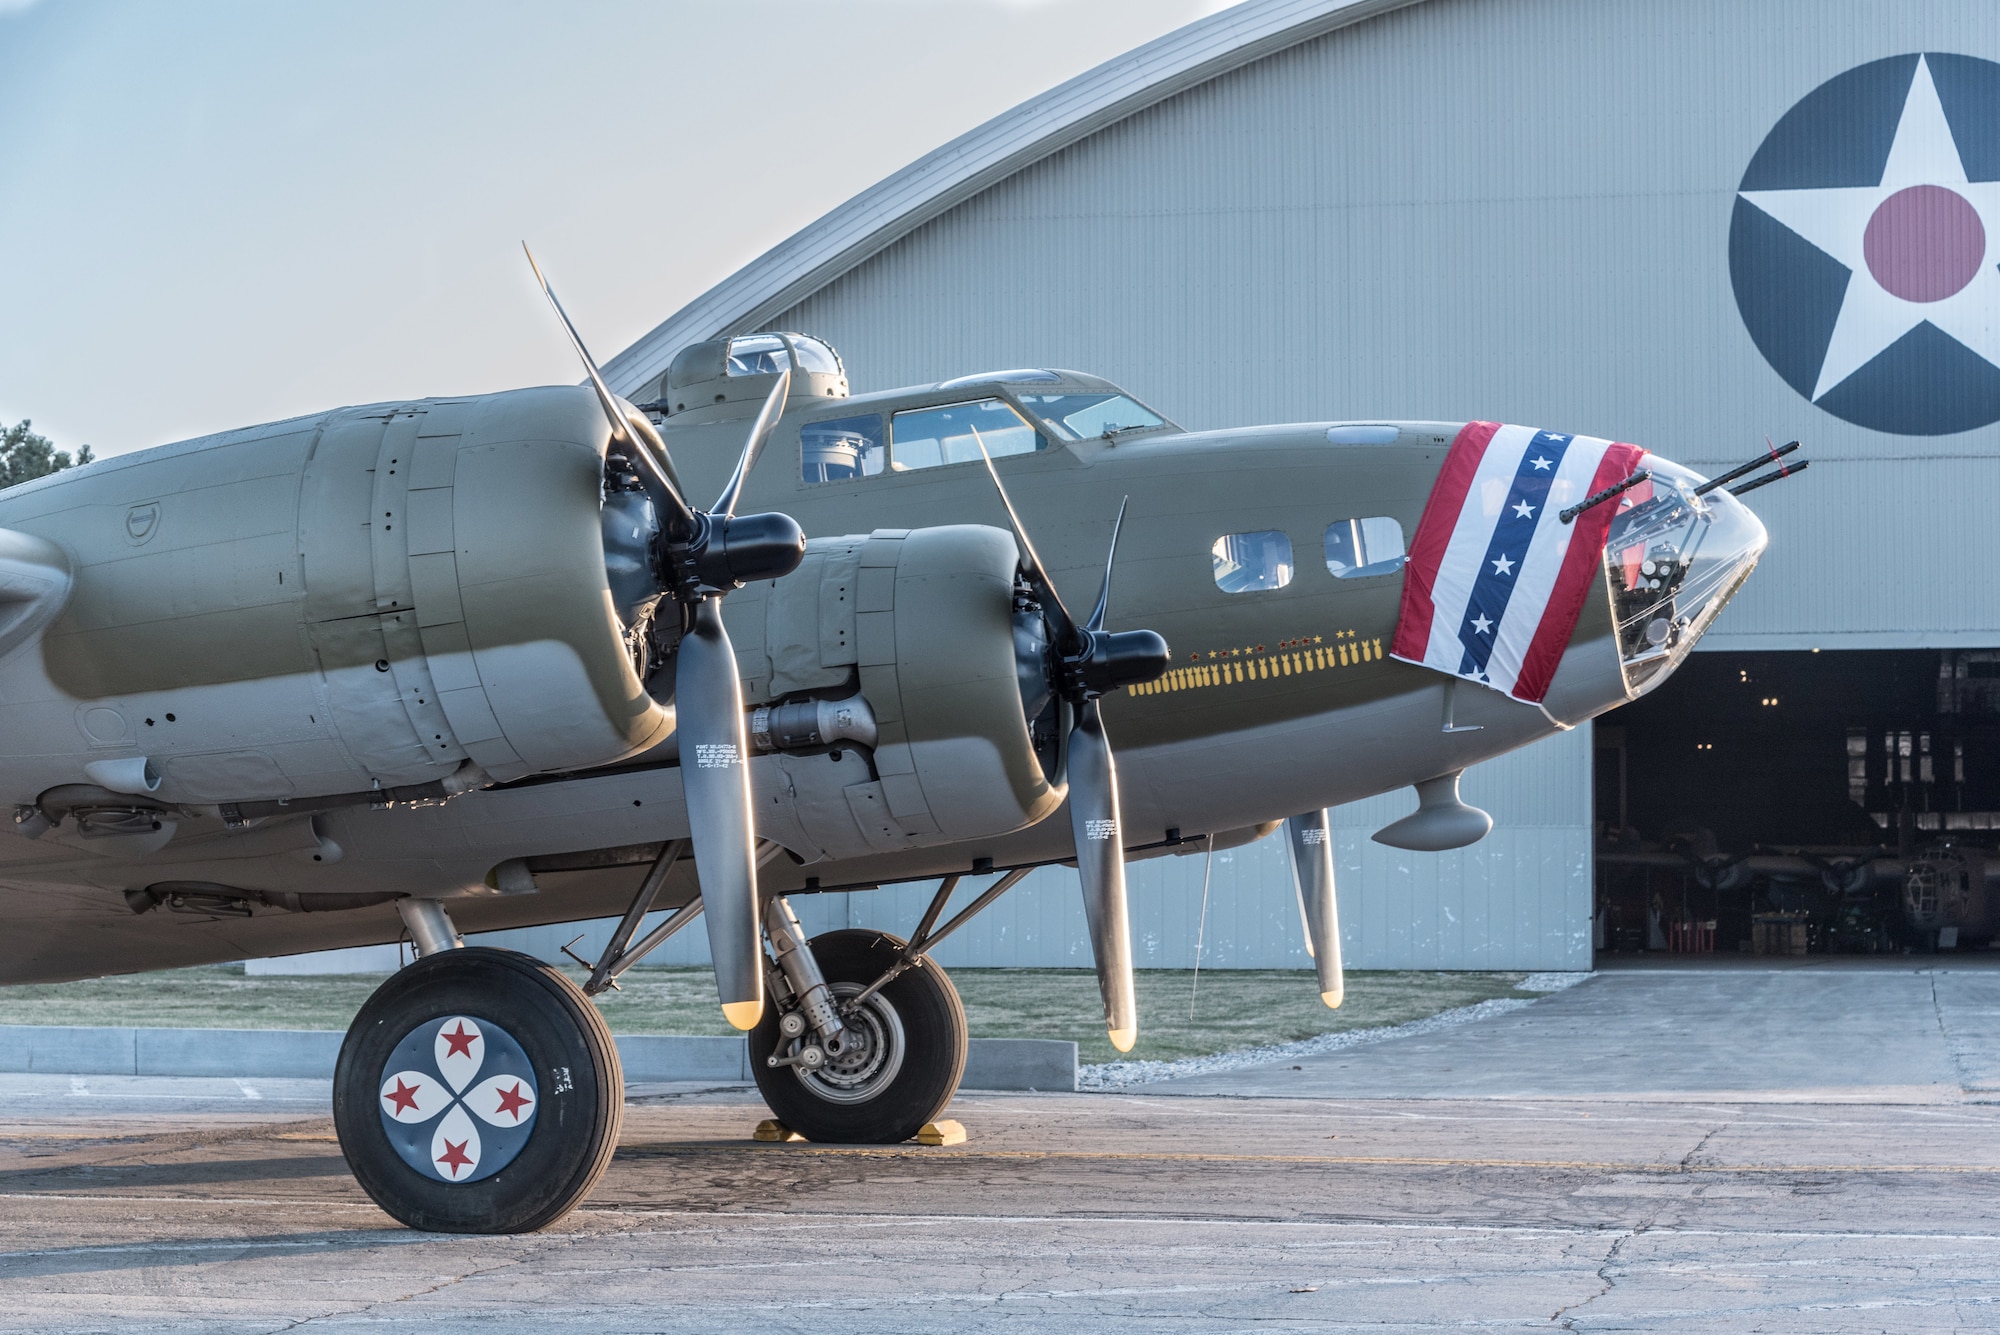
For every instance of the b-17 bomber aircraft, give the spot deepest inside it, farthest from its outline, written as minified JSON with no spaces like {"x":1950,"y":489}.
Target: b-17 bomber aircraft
{"x":414,"y":669}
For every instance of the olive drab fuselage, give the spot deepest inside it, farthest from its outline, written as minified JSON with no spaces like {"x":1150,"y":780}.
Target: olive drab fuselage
{"x":384,"y":651}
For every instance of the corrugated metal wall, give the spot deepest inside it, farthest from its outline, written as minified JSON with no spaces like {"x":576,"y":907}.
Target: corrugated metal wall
{"x":1515,"y":209}
{"x":1471,"y":208}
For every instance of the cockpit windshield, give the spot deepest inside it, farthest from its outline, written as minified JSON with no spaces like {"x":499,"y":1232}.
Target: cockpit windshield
{"x":1084,"y":416}
{"x":1675,"y":557}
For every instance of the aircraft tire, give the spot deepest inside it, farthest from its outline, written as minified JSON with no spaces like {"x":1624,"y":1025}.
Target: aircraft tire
{"x":901,"y":1077}
{"x":533,"y":1046}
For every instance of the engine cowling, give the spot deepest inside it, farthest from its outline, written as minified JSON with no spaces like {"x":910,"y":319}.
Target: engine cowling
{"x":365,"y":600}
{"x":921,"y":625}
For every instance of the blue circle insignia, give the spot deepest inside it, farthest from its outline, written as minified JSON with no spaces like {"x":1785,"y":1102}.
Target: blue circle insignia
{"x":458,"y":1098}
{"x":1865,"y":245}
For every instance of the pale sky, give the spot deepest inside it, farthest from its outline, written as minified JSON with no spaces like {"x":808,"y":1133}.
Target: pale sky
{"x":215,"y":214}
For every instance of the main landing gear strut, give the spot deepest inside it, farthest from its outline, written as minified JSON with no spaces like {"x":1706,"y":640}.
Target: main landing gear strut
{"x":479,"y":1091}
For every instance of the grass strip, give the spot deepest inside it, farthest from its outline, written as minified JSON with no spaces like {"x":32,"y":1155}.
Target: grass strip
{"x":1234,"y":1008}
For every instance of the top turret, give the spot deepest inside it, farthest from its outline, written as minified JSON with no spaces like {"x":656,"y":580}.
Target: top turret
{"x":730,"y":377}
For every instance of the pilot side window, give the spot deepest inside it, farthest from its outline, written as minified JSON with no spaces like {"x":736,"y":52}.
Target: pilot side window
{"x":1246,"y":562}
{"x":931,"y":437}
{"x":1356,"y":548}
{"x":841,"y":449}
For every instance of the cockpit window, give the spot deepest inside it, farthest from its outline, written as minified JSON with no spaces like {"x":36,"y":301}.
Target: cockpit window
{"x":1357,"y":548}
{"x":930,"y":437}
{"x":842,"y":449}
{"x":1246,"y":562}
{"x":1083,"y":416}
{"x":759,"y":354}
{"x":814,"y":356}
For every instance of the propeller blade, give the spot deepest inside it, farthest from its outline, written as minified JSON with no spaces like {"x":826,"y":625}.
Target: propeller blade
{"x":708,"y":705}
{"x":1096,"y":622}
{"x":1310,"y":840}
{"x":628,"y":424}
{"x":1100,"y":861}
{"x":1066,"y":629}
{"x":767,"y":419}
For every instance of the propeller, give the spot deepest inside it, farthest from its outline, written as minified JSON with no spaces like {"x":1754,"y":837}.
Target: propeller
{"x":1085,"y":662}
{"x":1311,"y":843}
{"x":700,"y":557}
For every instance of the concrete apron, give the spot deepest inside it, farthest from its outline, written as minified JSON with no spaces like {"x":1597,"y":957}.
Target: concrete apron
{"x":1903,"y":1035}
{"x":991,"y":1063}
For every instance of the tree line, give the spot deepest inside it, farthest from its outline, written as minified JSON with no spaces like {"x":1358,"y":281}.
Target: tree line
{"x":26,"y":454}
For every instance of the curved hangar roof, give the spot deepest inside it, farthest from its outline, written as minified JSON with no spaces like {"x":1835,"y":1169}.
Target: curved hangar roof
{"x":891,"y":209}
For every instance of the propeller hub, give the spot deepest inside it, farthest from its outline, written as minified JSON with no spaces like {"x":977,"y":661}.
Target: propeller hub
{"x":730,"y":551}
{"x":1111,"y":659}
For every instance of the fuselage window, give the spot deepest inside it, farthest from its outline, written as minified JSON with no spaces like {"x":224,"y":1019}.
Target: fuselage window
{"x":842,"y":449}
{"x":759,"y":354}
{"x":931,"y":437}
{"x":1246,"y":562}
{"x":1084,"y":416}
{"x":1356,"y":548}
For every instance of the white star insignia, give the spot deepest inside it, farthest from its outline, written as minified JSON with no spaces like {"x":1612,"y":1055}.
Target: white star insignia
{"x":1480,"y":625}
{"x":1503,"y":565}
{"x":1843,"y":221}
{"x":1541,"y":464}
{"x":1525,"y":510}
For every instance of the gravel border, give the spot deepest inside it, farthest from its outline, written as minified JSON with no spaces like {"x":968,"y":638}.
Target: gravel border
{"x":1111,"y":1076}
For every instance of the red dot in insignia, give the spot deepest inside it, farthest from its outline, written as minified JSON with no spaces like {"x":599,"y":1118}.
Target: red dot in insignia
{"x":1924,"y":243}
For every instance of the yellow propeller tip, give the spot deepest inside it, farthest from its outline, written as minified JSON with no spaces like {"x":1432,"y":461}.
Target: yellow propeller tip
{"x":743,"y":1014}
{"x":1123,"y":1039}
{"x":1333,"y":999}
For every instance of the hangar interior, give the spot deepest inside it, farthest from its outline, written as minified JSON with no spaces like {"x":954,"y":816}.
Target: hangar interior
{"x":1311,"y":210}
{"x":1847,"y":801}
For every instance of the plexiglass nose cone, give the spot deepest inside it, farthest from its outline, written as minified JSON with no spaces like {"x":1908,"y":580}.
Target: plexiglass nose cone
{"x":1674,"y":559}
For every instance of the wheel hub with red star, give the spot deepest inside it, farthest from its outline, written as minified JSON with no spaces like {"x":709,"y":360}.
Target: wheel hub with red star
{"x":458,"y":1099}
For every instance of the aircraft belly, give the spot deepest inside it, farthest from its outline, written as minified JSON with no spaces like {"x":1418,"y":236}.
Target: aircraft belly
{"x":1342,"y":755}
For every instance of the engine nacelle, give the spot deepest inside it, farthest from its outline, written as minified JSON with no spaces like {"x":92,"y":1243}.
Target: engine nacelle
{"x":920,"y":624}
{"x":364,"y":600}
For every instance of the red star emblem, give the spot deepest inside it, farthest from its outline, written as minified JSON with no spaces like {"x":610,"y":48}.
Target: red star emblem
{"x":404,"y":1097}
{"x":512,"y":1101}
{"x":455,"y":1157}
{"x":461,"y":1042}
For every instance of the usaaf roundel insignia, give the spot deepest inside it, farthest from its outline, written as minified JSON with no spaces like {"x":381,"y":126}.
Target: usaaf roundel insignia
{"x":458,"y":1099}
{"x":1865,"y":245}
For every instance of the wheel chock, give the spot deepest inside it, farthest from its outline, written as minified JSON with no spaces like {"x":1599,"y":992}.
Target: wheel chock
{"x":774,"y":1132}
{"x":941,"y":1133}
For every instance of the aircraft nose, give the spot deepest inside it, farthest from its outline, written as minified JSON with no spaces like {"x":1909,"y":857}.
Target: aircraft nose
{"x":1674,"y":557}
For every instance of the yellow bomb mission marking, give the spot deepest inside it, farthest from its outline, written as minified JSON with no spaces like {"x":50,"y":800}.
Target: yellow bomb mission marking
{"x":1256,"y":663}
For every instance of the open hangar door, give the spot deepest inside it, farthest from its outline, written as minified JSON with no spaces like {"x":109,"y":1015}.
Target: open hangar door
{"x":1786,"y":803}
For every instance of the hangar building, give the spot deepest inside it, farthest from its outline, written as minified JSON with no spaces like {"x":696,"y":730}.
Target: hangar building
{"x":1685,"y":223}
